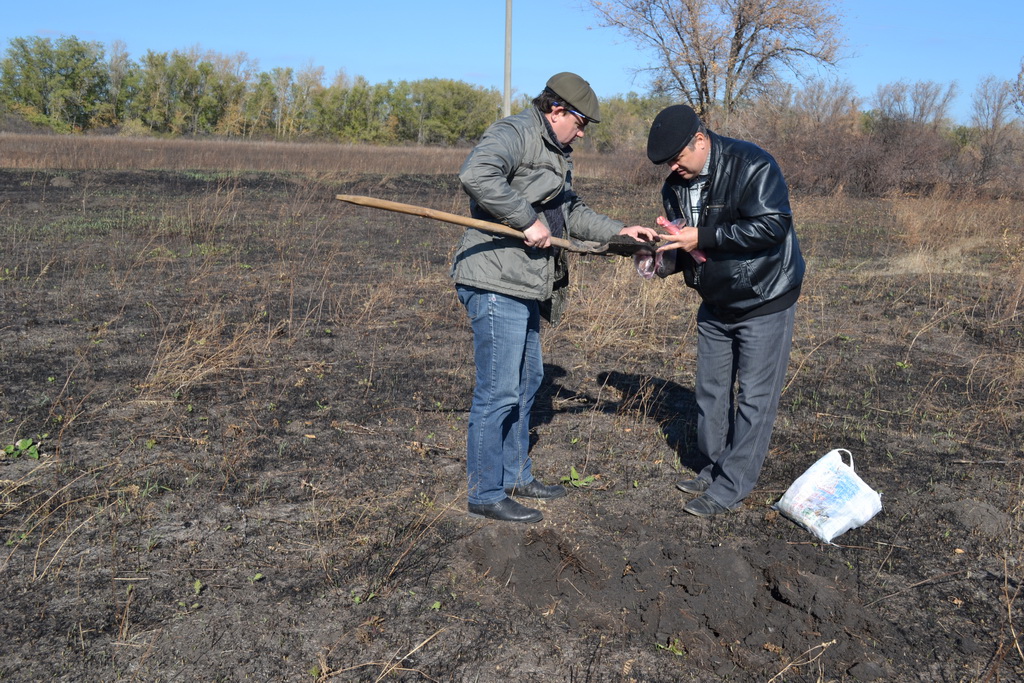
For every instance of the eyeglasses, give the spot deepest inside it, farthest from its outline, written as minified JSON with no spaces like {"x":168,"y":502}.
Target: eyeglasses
{"x":582,"y":120}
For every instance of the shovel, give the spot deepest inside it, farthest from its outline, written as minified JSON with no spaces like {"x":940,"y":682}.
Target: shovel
{"x":621,"y":245}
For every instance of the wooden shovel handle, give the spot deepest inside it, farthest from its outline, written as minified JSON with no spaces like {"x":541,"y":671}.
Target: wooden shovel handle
{"x":455,"y":218}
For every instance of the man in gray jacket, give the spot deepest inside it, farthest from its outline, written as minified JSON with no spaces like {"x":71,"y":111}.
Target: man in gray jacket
{"x":741,"y":254}
{"x":520,"y":174}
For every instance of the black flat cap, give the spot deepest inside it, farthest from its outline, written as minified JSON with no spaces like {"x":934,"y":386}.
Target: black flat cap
{"x":672,"y":129}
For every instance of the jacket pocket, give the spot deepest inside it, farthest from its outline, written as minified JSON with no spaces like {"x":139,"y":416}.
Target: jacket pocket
{"x":750,"y":282}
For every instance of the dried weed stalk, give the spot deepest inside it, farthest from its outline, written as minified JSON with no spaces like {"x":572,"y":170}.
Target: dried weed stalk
{"x":196,"y":351}
{"x":42,"y":522}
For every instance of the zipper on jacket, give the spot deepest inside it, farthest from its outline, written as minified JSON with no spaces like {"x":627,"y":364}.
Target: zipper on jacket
{"x":698,"y":267}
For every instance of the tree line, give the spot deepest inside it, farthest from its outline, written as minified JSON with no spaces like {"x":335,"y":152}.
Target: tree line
{"x":901,"y":139}
{"x":70,"y":85}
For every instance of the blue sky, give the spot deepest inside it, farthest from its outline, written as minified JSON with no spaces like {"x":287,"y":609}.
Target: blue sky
{"x":912,"y":40}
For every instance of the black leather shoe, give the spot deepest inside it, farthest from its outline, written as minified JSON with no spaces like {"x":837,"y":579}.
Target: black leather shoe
{"x":696,"y":485}
{"x":704,"y":506}
{"x":535,"y":489}
{"x":506,"y":510}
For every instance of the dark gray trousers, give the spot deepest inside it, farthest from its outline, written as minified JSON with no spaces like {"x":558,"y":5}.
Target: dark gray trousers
{"x":740,"y":372}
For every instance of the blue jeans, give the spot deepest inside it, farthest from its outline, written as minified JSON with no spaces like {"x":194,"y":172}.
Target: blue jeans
{"x":740,"y":372}
{"x":509,"y":371}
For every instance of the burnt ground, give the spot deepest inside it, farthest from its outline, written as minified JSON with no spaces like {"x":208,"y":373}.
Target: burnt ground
{"x":250,"y":402}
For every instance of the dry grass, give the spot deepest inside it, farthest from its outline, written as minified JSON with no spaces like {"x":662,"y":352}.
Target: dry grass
{"x":975,"y":244}
{"x":86,"y":153}
{"x":67,"y":152}
{"x":613,"y":307}
{"x":198,"y":351}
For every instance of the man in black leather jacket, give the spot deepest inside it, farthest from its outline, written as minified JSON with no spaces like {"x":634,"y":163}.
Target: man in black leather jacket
{"x":727,"y":204}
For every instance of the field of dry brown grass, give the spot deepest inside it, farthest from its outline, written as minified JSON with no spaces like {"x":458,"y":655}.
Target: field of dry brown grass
{"x":78,"y":153}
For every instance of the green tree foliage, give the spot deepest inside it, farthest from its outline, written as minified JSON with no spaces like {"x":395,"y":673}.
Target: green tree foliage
{"x":258,"y":107}
{"x":123,"y":82}
{"x":187,"y":93}
{"x":61,"y":83}
{"x":443,"y":111}
{"x":67,"y":86}
{"x":625,"y":122}
{"x":364,"y":113}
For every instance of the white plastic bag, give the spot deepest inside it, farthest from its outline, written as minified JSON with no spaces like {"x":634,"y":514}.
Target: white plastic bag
{"x":829,"y":498}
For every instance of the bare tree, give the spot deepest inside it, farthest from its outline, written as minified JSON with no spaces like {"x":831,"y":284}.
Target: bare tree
{"x":824,"y":102}
{"x":1019,"y":104}
{"x":908,"y":123}
{"x":720,"y":53}
{"x":814,"y":132}
{"x":921,"y":102}
{"x":992,"y":107}
{"x":992,"y":104}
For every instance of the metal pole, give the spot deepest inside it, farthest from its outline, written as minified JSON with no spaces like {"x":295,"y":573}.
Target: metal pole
{"x":507,"y":102}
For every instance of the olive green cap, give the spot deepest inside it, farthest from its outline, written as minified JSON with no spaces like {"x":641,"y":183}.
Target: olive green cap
{"x":576,"y":94}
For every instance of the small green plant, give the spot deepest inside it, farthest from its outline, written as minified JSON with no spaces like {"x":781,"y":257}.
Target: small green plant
{"x":675,"y":647}
{"x":576,"y":481}
{"x":358,"y":599}
{"x":15,"y":539}
{"x":25,"y":447}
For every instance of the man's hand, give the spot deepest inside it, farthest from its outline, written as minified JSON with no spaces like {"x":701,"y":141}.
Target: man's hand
{"x":685,"y":240}
{"x":639,"y":232}
{"x":678,"y":237}
{"x":538,"y":235}
{"x":681,"y":236}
